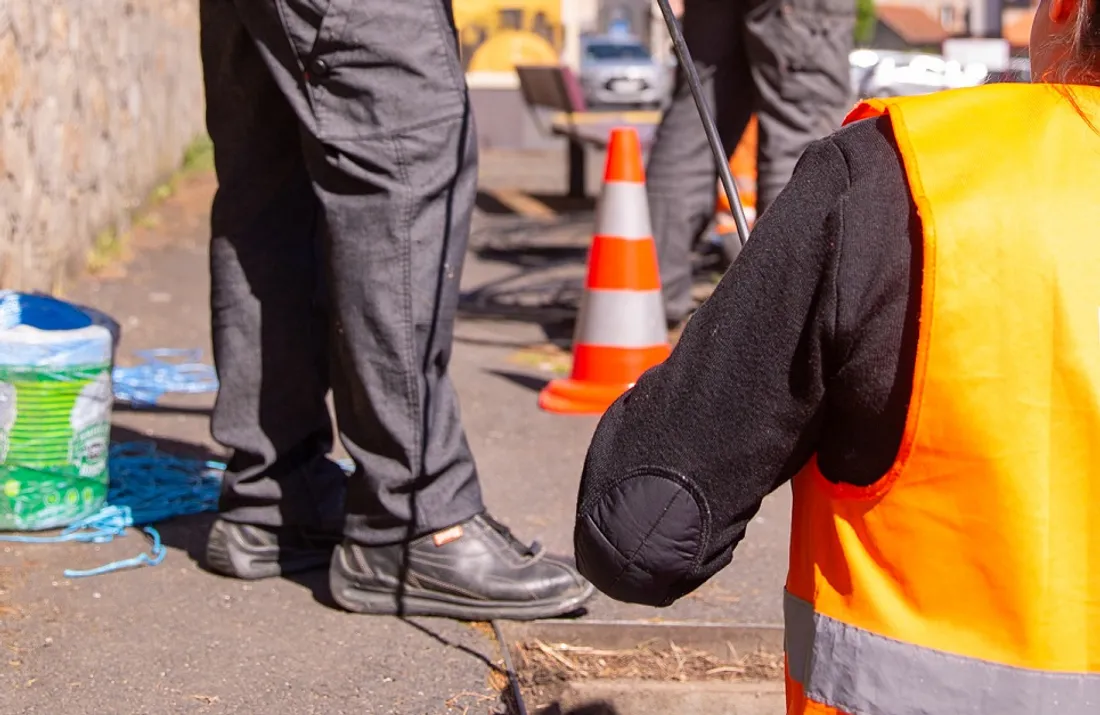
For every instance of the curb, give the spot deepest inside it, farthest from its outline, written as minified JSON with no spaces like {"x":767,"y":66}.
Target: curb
{"x":639,"y":697}
{"x":615,"y":696}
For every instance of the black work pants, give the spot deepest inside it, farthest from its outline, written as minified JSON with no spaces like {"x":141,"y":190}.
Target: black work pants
{"x":347,"y":167}
{"x":784,"y":60}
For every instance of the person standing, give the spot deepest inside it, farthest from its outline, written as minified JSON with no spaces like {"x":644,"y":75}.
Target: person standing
{"x":786,"y":61}
{"x":346,"y":159}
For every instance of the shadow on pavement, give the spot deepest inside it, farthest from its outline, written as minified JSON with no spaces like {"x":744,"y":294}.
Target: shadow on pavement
{"x":424,"y":626}
{"x":595,"y":708}
{"x":189,"y":535}
{"x":533,"y":256}
{"x":509,"y":232}
{"x":160,"y":409}
{"x":549,"y":302}
{"x":490,"y":204}
{"x":546,"y":282}
{"x":185,"y":533}
{"x":531,"y":267}
{"x":497,"y":341}
{"x":175,"y":447}
{"x":544,"y":288}
{"x":590,"y":709}
{"x":522,"y":296}
{"x":531,"y":382}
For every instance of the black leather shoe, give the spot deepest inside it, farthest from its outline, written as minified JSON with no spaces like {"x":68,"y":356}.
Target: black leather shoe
{"x":475,"y":571}
{"x":252,"y":552}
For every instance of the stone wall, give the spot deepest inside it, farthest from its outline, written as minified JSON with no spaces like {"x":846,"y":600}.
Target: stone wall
{"x":98,"y":100}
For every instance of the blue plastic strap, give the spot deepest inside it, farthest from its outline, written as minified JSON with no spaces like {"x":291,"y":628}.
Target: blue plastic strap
{"x":156,"y":554}
{"x":145,"y":383}
{"x":147,"y":486}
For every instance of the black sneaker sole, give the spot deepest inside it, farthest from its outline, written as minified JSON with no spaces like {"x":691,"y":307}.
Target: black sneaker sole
{"x":356,"y":598}
{"x":229,"y":555}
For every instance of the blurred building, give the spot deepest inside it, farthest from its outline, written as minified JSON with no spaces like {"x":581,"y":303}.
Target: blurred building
{"x":907,"y":27}
{"x":968,"y":18}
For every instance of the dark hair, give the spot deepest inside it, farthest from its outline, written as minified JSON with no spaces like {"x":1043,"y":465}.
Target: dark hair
{"x":1084,"y":62}
{"x":1082,"y":66}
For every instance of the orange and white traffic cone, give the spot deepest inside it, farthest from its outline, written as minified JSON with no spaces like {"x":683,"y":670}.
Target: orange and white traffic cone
{"x":743,"y":168}
{"x":621,"y":330}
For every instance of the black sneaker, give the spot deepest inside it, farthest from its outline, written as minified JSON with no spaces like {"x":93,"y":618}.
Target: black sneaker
{"x":475,"y":571}
{"x":251,"y":552}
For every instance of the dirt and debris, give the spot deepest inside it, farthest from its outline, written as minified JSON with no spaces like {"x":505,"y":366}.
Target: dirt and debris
{"x":467,"y":702}
{"x":541,"y":664}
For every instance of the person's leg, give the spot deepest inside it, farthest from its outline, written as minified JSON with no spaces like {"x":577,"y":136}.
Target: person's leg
{"x":799,"y":52}
{"x":391,"y":152}
{"x":681,"y":175}
{"x":269,"y":330}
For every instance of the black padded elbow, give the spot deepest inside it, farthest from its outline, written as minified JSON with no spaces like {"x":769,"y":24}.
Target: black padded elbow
{"x":641,"y":540}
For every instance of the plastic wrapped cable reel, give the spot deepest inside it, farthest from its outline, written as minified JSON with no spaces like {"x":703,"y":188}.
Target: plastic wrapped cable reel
{"x":55,"y":412}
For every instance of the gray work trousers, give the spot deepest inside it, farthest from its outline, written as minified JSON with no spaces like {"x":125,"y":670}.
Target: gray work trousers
{"x":785,"y":60}
{"x":346,"y":160}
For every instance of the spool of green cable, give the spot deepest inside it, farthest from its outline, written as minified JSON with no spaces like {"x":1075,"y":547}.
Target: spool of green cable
{"x":55,"y":412}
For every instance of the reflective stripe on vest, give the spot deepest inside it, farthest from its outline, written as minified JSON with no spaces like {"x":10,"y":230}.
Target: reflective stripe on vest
{"x":857,"y":671}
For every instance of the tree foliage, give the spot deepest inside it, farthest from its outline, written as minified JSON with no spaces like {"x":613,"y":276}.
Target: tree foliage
{"x":865,"y":22}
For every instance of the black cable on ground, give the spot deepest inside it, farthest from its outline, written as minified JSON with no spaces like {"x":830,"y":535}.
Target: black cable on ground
{"x":513,"y":679}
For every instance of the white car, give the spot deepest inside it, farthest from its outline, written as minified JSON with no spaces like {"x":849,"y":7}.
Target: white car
{"x":620,"y":72}
{"x":877,"y":73}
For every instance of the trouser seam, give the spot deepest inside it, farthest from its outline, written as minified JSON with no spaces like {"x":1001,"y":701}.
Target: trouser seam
{"x":414,"y":398}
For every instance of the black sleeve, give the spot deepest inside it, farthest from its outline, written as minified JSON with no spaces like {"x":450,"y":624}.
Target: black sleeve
{"x":680,"y":464}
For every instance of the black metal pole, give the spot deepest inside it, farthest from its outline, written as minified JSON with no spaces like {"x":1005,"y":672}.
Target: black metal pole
{"x":688,"y":66}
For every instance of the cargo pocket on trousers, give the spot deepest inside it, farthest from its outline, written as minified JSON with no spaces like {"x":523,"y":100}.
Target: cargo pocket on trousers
{"x":380,"y":68}
{"x":810,"y":42}
{"x":304,"y":22}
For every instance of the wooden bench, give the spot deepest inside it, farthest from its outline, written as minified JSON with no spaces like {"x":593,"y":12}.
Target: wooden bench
{"x":557,"y":89}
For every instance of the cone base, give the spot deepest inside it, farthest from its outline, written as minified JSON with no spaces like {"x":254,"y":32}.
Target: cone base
{"x":569,"y":396}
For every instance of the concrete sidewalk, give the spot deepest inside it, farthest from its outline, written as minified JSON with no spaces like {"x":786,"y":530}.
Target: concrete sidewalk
{"x":176,"y":639}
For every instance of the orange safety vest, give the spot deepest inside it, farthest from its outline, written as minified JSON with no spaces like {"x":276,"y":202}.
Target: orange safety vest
{"x":963,"y":581}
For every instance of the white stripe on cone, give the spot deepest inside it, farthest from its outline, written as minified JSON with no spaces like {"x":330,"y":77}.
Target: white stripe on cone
{"x":623,"y":211}
{"x":622,"y":319}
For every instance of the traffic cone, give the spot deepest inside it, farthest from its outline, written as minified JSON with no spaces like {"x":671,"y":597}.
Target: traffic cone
{"x":621,"y":330}
{"x":743,"y":168}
